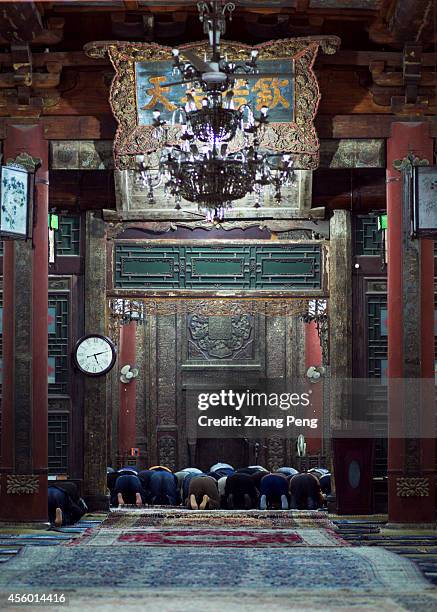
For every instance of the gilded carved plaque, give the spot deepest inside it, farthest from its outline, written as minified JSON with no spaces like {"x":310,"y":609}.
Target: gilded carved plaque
{"x":142,"y":69}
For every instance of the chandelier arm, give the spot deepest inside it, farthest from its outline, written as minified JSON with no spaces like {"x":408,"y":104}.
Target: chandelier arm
{"x":203,"y":168}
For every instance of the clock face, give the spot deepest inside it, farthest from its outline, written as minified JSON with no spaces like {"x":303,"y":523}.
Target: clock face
{"x":94,"y":355}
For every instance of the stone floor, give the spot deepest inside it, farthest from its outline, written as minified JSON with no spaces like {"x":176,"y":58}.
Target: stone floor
{"x":171,"y":560}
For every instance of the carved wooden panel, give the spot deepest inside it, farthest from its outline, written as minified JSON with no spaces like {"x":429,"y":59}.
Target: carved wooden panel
{"x":220,"y":338}
{"x":187,"y":349}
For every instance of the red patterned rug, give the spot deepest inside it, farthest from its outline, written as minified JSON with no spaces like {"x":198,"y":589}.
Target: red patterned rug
{"x":212,"y":537}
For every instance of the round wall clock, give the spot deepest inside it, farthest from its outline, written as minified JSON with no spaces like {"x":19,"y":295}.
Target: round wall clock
{"x":94,"y":355}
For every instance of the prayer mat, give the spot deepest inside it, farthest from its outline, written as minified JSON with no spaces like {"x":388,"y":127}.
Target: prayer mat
{"x":269,"y":519}
{"x":215,"y":538}
{"x":230,"y":570}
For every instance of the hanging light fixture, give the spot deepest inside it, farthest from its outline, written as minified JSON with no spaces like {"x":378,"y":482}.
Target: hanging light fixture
{"x":202,"y":168}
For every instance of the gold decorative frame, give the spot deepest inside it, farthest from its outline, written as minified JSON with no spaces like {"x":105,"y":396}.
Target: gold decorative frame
{"x":298,"y":137}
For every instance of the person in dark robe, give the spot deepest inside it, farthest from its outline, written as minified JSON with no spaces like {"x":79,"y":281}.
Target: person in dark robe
{"x":288,"y":471}
{"x":241,"y":492}
{"x":252,"y":469}
{"x":218,"y":470}
{"x":203,"y":494}
{"x":160,"y":487}
{"x":257,"y":477}
{"x":127,"y":489}
{"x":112,"y":475}
{"x":325,"y":484}
{"x":274,"y":492}
{"x":305,"y":492}
{"x":65,"y":506}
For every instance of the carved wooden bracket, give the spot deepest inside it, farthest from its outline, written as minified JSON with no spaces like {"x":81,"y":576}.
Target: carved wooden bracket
{"x":410,"y":90}
{"x":25,"y":92}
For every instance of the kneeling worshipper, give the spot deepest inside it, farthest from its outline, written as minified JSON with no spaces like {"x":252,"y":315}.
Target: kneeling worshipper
{"x":305,"y":492}
{"x":127,"y":489}
{"x":160,"y":487}
{"x":241,"y":492}
{"x":325,"y":484}
{"x":257,"y":477}
{"x":288,"y":471}
{"x":65,"y":505}
{"x":203,"y":494}
{"x":274,"y":491}
{"x":218,"y":470}
{"x":112,"y":475}
{"x":252,"y":469}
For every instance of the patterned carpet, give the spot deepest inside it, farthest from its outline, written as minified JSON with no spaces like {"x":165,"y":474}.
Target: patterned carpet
{"x":279,"y":601}
{"x":419,"y":546}
{"x":217,"y":529}
{"x":168,"y":517}
{"x":362,"y":570}
{"x":173,"y":559}
{"x":215,"y":538}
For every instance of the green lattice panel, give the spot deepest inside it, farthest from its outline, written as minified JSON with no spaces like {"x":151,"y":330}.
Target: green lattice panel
{"x":141,"y":266}
{"x":68,"y":236}
{"x":367,"y":236}
{"x":237,"y":266}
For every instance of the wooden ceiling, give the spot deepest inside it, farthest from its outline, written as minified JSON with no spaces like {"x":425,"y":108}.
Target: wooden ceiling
{"x":362,"y":24}
{"x":387,"y":61}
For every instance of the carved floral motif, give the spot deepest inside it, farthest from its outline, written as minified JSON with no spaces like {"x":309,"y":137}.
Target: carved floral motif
{"x":221,"y":343}
{"x":167,"y":452}
{"x":412,"y":487}
{"x":275,"y":453}
{"x":283,"y":306}
{"x":22,"y":485}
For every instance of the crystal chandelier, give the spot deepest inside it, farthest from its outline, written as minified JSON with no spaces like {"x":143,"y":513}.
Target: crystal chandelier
{"x":203,"y":167}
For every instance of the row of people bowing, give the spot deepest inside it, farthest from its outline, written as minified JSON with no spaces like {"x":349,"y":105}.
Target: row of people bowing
{"x":221,"y":487}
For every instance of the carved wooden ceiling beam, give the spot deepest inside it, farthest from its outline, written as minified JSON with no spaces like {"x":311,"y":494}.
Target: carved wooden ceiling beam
{"x":148,"y":25}
{"x":408,"y":90}
{"x":24,"y":92}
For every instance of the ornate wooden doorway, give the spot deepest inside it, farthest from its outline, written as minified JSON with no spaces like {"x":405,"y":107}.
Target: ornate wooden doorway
{"x":212,"y":309}
{"x":188,"y":344}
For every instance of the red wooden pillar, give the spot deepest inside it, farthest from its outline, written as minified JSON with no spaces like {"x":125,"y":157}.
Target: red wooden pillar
{"x":313,"y":357}
{"x":410,"y":340}
{"x":23,"y":468}
{"x":127,"y":415}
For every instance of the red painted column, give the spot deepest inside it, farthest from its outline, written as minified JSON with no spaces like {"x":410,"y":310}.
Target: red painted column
{"x":127,"y":416}
{"x":25,"y":347}
{"x":313,"y":357}
{"x":408,"y":138}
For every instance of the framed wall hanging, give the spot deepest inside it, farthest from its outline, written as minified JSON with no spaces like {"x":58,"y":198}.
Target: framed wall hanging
{"x":16,"y":203}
